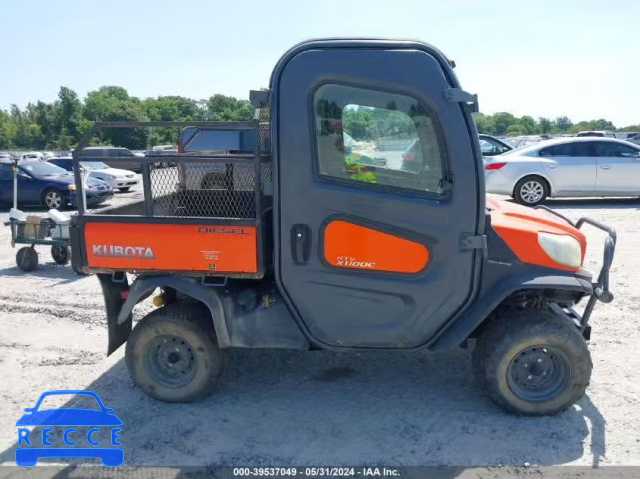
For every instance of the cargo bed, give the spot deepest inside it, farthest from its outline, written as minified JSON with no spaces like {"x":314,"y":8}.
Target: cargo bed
{"x":203,"y":216}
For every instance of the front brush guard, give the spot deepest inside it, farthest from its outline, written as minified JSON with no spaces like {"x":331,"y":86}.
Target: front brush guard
{"x":601,"y":290}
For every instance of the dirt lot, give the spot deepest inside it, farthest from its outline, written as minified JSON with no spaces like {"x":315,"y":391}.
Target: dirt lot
{"x":325,"y":408}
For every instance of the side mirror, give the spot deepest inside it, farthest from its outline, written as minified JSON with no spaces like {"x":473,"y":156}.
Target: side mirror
{"x":24,"y":177}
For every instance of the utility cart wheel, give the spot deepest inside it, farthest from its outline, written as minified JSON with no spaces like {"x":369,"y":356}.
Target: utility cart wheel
{"x":27,"y":258}
{"x":61,"y":254}
{"x":173,"y":354}
{"x":533,"y":362}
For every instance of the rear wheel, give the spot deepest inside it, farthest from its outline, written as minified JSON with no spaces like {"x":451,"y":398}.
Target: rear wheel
{"x":531,"y":190}
{"x":27,"y":258}
{"x":173,"y":355}
{"x":533,"y":362}
{"x":53,"y":199}
{"x":61,"y":254}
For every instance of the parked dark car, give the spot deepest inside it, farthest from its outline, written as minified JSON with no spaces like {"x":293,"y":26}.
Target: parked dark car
{"x":113,"y":156}
{"x":41,"y":183}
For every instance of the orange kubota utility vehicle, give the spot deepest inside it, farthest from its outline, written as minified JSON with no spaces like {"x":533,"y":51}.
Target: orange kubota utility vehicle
{"x":351,"y":214}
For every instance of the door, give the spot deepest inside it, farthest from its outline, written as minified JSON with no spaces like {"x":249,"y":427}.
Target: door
{"x":618,"y":167}
{"x":6,"y":183}
{"x":29,"y":187}
{"x":571,"y":167}
{"x":370,"y":244}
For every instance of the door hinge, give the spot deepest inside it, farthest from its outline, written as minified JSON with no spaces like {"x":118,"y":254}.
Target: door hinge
{"x":473,"y":242}
{"x":458,"y":95}
{"x":260,"y":98}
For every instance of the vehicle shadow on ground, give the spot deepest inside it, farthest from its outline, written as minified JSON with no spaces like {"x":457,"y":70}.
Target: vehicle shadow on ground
{"x":46,"y":269}
{"x":283,"y":408}
{"x":594,"y":203}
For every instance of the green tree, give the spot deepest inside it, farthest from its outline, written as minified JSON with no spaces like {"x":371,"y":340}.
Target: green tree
{"x":528,"y":125}
{"x":516,"y":130}
{"x":485,"y":124}
{"x":545,"y":125}
{"x":503,"y":121}
{"x":8,"y":131}
{"x":68,"y":115}
{"x":563,"y":124}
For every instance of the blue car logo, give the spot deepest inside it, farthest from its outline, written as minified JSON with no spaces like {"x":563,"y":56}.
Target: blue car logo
{"x":99,"y":421}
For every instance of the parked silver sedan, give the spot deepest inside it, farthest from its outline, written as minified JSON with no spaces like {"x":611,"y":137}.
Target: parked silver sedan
{"x":566,"y":167}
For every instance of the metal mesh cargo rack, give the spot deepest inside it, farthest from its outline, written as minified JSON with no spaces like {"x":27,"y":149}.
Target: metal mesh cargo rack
{"x":206,"y":188}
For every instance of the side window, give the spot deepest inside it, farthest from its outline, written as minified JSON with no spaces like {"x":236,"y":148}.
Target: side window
{"x":568,"y":149}
{"x":491,"y":147}
{"x":616,"y":150}
{"x":121,"y":153}
{"x":382,"y":139}
{"x":93,"y":153}
{"x":555,"y":150}
{"x":6,"y":173}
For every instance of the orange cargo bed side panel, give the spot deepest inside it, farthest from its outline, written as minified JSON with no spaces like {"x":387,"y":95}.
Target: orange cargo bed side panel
{"x":165,"y":247}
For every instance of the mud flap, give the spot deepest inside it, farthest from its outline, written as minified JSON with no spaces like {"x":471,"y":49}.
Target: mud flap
{"x":112,"y":292}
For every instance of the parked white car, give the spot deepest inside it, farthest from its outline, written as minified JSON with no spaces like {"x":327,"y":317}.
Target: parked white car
{"x":116,"y":178}
{"x":601,"y":134}
{"x":32,"y":155}
{"x":566,"y":167}
{"x":634,"y":138}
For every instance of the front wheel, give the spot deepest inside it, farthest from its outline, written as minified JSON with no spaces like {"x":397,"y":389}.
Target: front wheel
{"x":173,"y":355}
{"x":533,"y":362}
{"x":53,"y":199}
{"x":531,"y":190}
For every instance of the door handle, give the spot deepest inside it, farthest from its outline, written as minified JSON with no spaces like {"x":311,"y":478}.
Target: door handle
{"x":552,"y":166}
{"x":605,"y":167}
{"x":300,"y":243}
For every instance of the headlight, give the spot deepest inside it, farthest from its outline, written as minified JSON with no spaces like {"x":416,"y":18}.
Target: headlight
{"x":563,"y":249}
{"x":71,"y":187}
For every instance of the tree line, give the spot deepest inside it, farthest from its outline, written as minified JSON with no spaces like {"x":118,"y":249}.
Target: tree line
{"x":506,"y":124}
{"x":59,"y":125}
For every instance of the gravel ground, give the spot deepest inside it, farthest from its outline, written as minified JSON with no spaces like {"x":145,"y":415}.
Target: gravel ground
{"x":325,"y":408}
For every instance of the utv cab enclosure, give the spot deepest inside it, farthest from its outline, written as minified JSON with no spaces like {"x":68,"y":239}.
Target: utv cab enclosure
{"x":313,"y":235}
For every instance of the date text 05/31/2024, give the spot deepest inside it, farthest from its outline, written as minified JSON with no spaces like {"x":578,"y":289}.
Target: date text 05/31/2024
{"x":315,"y":472}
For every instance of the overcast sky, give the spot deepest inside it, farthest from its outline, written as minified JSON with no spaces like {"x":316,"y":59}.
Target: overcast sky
{"x":550,"y":58}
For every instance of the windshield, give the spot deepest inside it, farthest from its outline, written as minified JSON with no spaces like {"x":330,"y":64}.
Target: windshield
{"x":44,"y":169}
{"x":94,"y":165}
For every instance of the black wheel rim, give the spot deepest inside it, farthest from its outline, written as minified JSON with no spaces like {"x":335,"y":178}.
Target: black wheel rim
{"x":59,"y":253}
{"x":170,"y":360}
{"x":538,"y":373}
